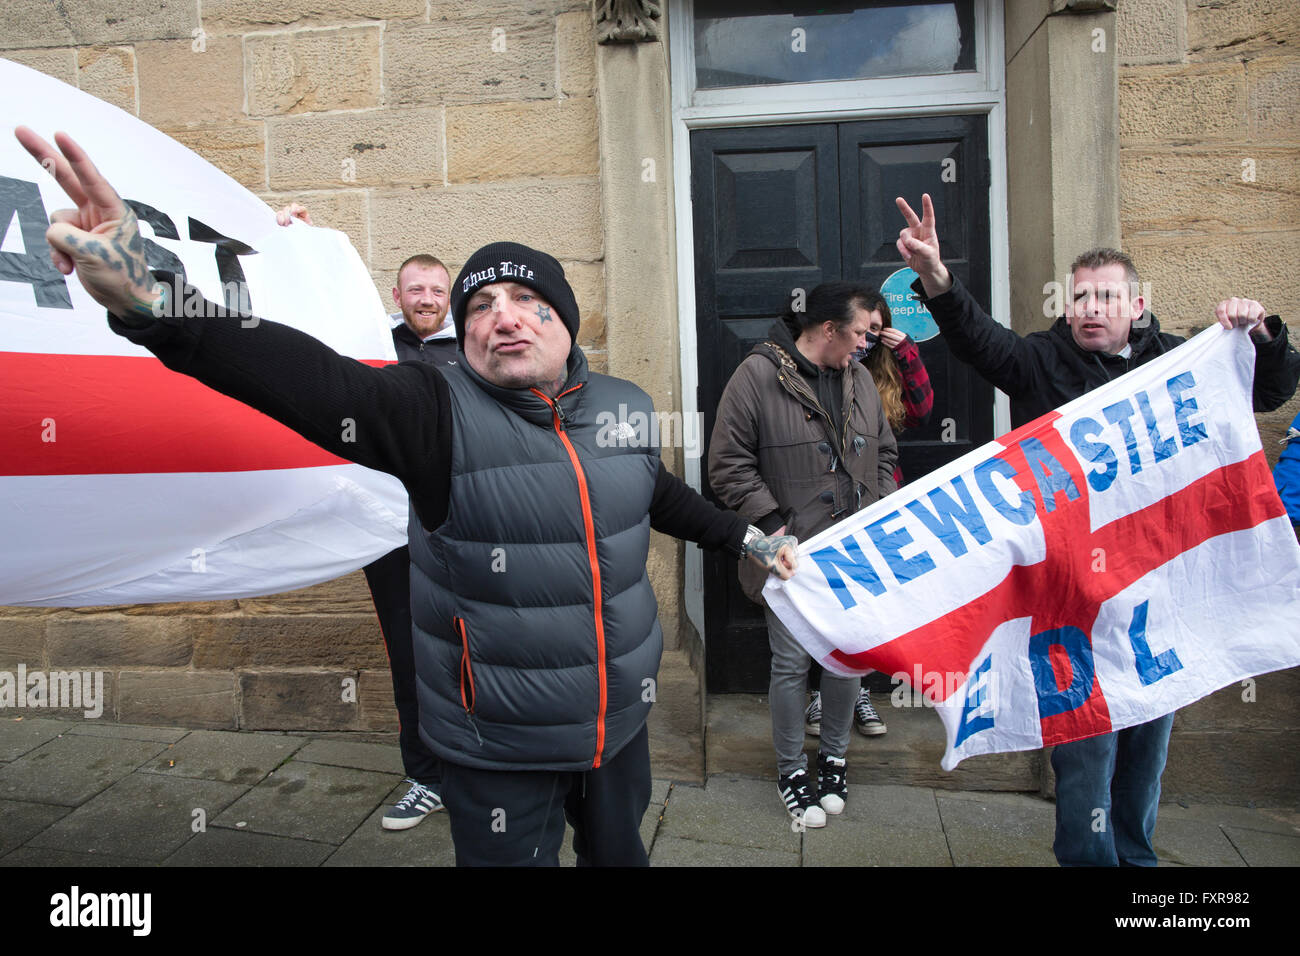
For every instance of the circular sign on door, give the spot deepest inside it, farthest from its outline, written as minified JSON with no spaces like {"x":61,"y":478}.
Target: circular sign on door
{"x":907,"y":312}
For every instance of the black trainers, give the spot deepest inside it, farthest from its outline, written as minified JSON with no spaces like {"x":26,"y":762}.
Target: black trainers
{"x":812,"y":717}
{"x":865,"y":717}
{"x":418,"y":803}
{"x":799,"y":801}
{"x":832,"y":783}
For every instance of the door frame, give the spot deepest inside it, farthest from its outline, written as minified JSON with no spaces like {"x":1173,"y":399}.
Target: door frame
{"x":980,"y":92}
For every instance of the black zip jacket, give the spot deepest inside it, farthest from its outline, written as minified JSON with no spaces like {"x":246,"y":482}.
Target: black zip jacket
{"x":1044,"y":370}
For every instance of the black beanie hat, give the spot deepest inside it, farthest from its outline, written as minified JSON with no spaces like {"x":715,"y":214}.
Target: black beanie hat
{"x":511,"y":262}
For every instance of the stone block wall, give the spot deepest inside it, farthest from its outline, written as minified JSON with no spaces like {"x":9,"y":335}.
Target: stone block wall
{"x":412,"y":126}
{"x":1210,"y":159}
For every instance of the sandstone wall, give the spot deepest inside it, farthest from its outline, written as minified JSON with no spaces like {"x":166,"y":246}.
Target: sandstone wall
{"x":1210,"y":159}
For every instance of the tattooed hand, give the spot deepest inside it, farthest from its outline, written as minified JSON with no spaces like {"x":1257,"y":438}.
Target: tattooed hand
{"x":100,"y":239}
{"x":776,"y":553}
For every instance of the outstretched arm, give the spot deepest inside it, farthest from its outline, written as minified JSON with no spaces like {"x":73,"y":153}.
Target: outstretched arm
{"x":1003,"y":358}
{"x":679,"y":510}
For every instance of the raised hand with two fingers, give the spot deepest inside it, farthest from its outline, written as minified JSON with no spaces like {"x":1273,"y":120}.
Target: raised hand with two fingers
{"x":100,"y":239}
{"x":918,"y":244}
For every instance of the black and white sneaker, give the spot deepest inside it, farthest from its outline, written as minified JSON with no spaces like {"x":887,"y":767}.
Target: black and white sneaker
{"x":812,"y":717}
{"x":865,"y":717}
{"x":799,"y":801}
{"x":832,"y":783}
{"x":418,"y":803}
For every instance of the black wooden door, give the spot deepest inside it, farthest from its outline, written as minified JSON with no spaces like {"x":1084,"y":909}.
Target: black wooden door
{"x":783,"y":208}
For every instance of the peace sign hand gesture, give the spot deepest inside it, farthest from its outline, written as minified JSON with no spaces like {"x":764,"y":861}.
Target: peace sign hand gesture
{"x":918,"y":244}
{"x":100,"y":239}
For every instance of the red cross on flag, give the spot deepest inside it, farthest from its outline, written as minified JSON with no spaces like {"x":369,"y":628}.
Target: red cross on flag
{"x":1101,"y":566}
{"x":121,"y":481}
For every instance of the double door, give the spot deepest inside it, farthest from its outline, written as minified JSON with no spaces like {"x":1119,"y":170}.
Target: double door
{"x":782,"y":208}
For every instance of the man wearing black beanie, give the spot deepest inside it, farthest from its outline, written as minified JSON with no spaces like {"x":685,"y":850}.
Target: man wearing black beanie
{"x":536,"y":635}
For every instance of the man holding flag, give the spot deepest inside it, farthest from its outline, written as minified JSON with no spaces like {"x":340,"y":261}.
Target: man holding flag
{"x":1105,"y":332}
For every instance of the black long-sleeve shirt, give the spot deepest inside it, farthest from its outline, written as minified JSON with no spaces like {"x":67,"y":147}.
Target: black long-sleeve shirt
{"x":396,"y":418}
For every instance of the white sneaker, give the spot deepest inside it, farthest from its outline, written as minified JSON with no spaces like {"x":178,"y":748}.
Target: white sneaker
{"x":799,"y":801}
{"x":832,"y":783}
{"x":408,"y":812}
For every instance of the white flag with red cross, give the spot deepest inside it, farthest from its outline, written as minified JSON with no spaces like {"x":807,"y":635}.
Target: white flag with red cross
{"x":1097,"y":568}
{"x":121,"y":481}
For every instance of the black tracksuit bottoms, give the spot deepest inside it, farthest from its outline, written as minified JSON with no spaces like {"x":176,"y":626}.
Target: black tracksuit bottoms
{"x":390,"y":588}
{"x":516,"y":818}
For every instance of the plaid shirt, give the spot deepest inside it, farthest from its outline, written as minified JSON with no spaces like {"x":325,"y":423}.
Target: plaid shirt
{"x":918,"y":396}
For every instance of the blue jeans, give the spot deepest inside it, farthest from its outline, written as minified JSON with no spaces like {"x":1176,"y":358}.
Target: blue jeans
{"x":1107,"y":794}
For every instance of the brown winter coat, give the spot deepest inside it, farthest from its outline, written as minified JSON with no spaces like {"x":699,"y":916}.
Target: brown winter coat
{"x":764,"y":455}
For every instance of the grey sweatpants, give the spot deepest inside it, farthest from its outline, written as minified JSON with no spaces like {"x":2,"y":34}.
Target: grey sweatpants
{"x":788,"y":697}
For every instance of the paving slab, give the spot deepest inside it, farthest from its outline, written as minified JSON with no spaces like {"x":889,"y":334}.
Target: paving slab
{"x":71,"y":769}
{"x":881,"y":826}
{"x":738,"y":811}
{"x":1193,"y":843}
{"x":1265,"y":849}
{"x":998,"y":829}
{"x":97,"y":728}
{"x":675,"y":851}
{"x":20,"y":821}
{"x":381,"y":758}
{"x":427,"y":844}
{"x":221,"y":847}
{"x":225,"y":756}
{"x":26,"y":856}
{"x":310,"y":802}
{"x":144,"y":816}
{"x":20,"y":735}
{"x":1269,"y":820}
{"x":841,"y":843}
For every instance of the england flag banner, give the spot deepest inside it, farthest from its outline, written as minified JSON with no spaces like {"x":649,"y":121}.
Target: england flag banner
{"x":1103,"y":565}
{"x":121,"y":481}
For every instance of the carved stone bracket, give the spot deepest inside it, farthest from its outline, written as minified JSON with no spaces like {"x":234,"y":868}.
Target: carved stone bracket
{"x":627,"y":21}
{"x":1083,"y":6}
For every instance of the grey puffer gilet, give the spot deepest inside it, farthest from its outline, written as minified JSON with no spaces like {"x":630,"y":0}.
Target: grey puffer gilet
{"x":518,"y":666}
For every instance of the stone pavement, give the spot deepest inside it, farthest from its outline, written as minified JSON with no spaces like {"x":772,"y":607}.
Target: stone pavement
{"x":83,"y":793}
